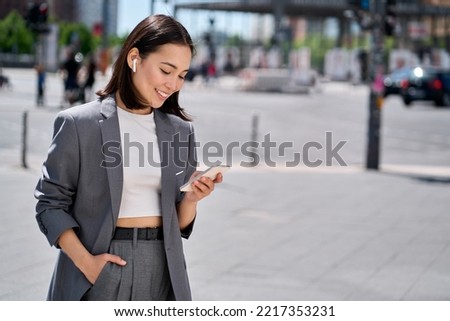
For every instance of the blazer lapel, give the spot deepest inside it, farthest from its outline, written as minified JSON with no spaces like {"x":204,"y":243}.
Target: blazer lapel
{"x":111,"y":146}
{"x":165,"y":132}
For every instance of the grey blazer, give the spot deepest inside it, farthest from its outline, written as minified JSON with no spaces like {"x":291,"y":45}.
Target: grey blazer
{"x":81,"y":188}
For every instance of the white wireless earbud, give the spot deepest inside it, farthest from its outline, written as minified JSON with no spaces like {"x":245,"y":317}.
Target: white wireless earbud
{"x":134,"y":65}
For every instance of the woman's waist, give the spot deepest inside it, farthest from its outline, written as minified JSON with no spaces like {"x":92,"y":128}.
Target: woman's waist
{"x":140,"y":222}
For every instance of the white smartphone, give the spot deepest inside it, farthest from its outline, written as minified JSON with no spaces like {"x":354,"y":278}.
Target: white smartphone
{"x":211,"y":172}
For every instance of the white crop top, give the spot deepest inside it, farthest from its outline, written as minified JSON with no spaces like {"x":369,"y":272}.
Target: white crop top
{"x":141,"y":165}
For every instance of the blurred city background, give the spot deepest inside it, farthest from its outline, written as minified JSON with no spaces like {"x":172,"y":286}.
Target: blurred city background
{"x":362,"y":216}
{"x":327,"y":38}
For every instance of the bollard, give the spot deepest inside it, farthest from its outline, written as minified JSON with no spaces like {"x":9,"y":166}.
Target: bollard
{"x":254,"y":140}
{"x":24,"y":138}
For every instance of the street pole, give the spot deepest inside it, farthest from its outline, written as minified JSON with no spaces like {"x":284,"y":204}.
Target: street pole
{"x":106,"y":22}
{"x":152,"y":7}
{"x":40,"y":49}
{"x":376,"y":84}
{"x":104,"y":55}
{"x":24,"y":139}
{"x":254,"y":140}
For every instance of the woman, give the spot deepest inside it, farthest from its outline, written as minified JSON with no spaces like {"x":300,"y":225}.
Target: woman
{"x":109,"y":196}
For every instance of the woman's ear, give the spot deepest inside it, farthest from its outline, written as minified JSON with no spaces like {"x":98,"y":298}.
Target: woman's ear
{"x":132,"y":58}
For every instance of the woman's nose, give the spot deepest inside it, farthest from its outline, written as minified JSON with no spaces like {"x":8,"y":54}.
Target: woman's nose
{"x":172,"y":83}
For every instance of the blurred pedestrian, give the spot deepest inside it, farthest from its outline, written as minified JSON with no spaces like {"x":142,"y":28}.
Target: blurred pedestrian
{"x":119,"y":216}
{"x":209,"y":71}
{"x":4,"y":81}
{"x":70,"y":69}
{"x":41,"y":74}
{"x":87,"y":91}
{"x":229,"y":68}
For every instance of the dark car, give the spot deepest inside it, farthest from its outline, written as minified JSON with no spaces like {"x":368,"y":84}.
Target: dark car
{"x":427,"y":84}
{"x":393,"y":81}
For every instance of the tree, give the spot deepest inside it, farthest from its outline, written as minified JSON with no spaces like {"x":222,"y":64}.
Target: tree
{"x":319,"y":45}
{"x":14,"y":34}
{"x":116,"y":41}
{"x":234,"y":41}
{"x":78,"y":36}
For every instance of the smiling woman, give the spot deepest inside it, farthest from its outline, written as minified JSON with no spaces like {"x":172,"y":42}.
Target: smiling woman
{"x":167,"y":51}
{"x":158,"y":75}
{"x":119,"y":224}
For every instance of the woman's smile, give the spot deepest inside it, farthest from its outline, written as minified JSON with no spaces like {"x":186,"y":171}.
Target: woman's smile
{"x":163,"y":95}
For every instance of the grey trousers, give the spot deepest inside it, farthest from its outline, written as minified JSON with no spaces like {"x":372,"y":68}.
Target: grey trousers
{"x":145,"y":277}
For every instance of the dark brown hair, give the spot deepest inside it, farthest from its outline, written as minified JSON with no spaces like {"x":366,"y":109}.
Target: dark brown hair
{"x":147,"y":37}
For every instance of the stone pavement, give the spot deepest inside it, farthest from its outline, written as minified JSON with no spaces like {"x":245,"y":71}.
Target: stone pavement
{"x":325,"y":233}
{"x":279,"y":234}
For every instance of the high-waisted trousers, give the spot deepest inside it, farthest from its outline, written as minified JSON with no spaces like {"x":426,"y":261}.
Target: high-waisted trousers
{"x":145,"y":277}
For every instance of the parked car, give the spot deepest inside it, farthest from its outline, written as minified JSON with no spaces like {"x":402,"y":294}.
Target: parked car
{"x":427,"y":84}
{"x":393,"y":81}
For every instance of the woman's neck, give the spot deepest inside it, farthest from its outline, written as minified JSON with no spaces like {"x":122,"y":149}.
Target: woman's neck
{"x":143,"y":111}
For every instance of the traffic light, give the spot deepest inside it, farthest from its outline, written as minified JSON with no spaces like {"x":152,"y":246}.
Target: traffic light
{"x":43,"y":13}
{"x":32,"y":15}
{"x":37,"y":16}
{"x":390,"y":19}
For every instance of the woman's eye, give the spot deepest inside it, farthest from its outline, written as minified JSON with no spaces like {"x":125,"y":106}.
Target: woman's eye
{"x":165,"y":72}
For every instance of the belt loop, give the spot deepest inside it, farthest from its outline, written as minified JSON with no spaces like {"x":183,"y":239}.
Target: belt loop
{"x":135,"y":235}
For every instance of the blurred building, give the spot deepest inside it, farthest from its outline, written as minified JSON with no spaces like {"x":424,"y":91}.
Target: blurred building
{"x":100,"y":16}
{"x":437,"y":2}
{"x":89,"y":12}
{"x":437,"y":24}
{"x":63,"y":9}
{"x":434,"y":13}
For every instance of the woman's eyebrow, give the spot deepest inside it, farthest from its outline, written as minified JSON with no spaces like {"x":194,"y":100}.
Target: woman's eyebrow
{"x":173,"y":66}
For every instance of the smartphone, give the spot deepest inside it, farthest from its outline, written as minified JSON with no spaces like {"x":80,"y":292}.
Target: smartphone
{"x":211,"y":172}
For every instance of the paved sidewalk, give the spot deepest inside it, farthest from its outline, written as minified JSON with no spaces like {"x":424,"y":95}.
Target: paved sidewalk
{"x":326,"y":233}
{"x":279,"y":234}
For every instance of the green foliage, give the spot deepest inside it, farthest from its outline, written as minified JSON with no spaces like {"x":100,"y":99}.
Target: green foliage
{"x":16,"y":38}
{"x":118,"y":41}
{"x":81,"y":38}
{"x":78,"y":36}
{"x":234,"y":41}
{"x":319,"y":46}
{"x":14,"y":35}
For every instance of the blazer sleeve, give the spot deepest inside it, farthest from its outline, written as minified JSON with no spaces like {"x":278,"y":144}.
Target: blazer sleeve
{"x":191,"y":166}
{"x":57,"y":186}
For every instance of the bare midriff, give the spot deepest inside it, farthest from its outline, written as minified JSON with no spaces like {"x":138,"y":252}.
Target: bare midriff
{"x":140,"y":222}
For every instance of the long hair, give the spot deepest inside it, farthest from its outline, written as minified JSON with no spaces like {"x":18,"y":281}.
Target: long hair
{"x":147,"y":37}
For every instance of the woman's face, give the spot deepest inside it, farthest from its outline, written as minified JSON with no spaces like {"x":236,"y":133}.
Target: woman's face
{"x":162,"y":73}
